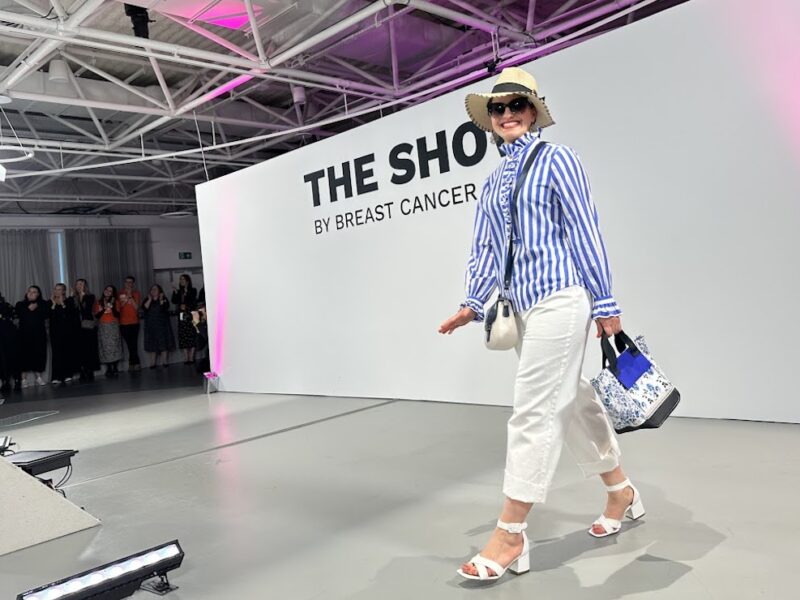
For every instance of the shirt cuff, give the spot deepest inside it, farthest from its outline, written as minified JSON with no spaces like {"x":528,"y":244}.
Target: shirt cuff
{"x":477,"y":307}
{"x":605,"y":307}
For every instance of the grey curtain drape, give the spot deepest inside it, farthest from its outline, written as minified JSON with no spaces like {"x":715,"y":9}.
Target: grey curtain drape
{"x":24,"y":260}
{"x":106,"y":256}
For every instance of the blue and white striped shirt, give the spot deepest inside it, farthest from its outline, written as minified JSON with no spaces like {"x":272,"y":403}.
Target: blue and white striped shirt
{"x":556,"y":237}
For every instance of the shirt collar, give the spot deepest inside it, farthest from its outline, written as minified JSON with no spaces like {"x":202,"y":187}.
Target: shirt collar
{"x":519,"y":144}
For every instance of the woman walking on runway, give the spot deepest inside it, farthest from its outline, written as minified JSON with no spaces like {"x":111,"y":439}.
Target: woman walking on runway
{"x":560,"y":283}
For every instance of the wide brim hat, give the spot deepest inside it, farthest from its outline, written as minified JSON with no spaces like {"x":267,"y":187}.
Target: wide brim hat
{"x":512,"y":80}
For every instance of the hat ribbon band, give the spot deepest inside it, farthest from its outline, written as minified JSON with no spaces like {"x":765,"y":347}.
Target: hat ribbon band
{"x":510,"y":88}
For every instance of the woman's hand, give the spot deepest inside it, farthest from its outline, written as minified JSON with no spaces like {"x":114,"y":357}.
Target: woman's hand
{"x":462,"y":317}
{"x":611,"y":325}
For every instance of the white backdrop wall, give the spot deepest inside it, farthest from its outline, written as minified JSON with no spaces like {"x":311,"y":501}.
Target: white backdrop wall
{"x":689,"y":126}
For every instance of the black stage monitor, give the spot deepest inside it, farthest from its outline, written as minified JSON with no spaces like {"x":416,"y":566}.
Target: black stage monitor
{"x":36,"y":462}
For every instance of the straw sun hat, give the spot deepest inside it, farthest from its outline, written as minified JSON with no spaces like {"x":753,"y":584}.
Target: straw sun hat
{"x":512,"y":80}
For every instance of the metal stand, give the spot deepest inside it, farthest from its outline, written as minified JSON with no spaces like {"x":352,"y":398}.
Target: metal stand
{"x":159,"y":587}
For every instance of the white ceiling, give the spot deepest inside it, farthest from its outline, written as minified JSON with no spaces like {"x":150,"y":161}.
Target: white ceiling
{"x":204,"y":78}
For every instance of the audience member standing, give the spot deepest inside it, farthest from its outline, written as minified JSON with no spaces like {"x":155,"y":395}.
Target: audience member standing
{"x":87,"y":357}
{"x":109,"y":339}
{"x":9,"y":347}
{"x":185,"y":298}
{"x":32,"y":313}
{"x":64,"y":325}
{"x":129,"y":301}
{"x":201,"y":326}
{"x":158,"y":339}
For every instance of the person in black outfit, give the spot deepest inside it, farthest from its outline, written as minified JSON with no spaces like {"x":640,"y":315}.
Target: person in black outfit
{"x":64,"y":324}
{"x":88,"y":360}
{"x":185,"y":298}
{"x":201,"y":326}
{"x":158,"y":338}
{"x":32,"y":313}
{"x":9,"y":347}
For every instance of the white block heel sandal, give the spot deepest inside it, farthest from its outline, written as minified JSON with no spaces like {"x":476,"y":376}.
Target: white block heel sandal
{"x":634,"y":511}
{"x":518,"y":566}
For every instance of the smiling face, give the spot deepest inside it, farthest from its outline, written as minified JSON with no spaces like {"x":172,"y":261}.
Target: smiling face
{"x":32,"y":295}
{"x":512,"y":125}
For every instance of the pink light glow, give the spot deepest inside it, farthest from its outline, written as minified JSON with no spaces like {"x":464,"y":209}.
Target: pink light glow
{"x":223,"y":430}
{"x":229,"y":22}
{"x":233,"y":83}
{"x":770,"y":43}
{"x":224,"y":263}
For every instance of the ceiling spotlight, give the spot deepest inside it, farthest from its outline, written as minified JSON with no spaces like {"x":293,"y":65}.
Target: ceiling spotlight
{"x":140,"y":19}
{"x":116,"y":580}
{"x":58,"y":71}
{"x":299,"y":94}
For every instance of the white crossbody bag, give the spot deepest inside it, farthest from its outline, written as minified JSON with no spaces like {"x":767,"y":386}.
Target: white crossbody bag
{"x":500,"y":322}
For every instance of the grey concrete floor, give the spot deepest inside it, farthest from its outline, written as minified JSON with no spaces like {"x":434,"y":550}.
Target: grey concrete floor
{"x":314,"y":497}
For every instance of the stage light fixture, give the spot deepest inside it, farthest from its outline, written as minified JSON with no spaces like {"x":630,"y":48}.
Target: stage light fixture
{"x":140,"y":19}
{"x":118,"y":579}
{"x":58,"y":71}
{"x":212,"y":382}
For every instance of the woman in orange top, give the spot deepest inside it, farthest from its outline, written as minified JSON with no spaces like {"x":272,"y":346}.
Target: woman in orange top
{"x":109,"y":340}
{"x":129,"y":301}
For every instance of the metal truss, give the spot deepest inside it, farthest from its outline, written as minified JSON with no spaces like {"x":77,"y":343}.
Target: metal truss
{"x":165,"y":97}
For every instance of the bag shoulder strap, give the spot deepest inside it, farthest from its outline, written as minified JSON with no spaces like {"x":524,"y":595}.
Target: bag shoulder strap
{"x":517,"y":189}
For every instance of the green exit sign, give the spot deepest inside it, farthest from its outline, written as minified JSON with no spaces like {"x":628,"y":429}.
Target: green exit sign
{"x":184,"y":255}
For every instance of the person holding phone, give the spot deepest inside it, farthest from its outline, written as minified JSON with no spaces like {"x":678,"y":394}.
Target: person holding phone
{"x":109,"y":338}
{"x":64,"y":326}
{"x":184,"y":297}
{"x":200,"y":324}
{"x":130,"y":299}
{"x":88,"y":358}
{"x":158,"y":339}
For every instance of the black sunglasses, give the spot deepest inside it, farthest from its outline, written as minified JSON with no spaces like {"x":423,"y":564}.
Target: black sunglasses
{"x":517,"y":105}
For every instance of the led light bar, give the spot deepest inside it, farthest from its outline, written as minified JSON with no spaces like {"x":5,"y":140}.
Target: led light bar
{"x":115,"y":580}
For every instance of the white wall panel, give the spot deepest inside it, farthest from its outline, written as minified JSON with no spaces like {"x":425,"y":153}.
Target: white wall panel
{"x":689,"y":127}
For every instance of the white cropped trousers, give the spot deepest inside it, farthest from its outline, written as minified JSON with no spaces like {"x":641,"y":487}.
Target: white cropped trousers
{"x":553,"y":402}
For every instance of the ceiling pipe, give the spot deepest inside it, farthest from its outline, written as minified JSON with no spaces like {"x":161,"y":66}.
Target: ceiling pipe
{"x":529,"y":23}
{"x":219,"y":40}
{"x":469,"y":21}
{"x":336,"y":84}
{"x":37,"y":97}
{"x":582,"y":19}
{"x":251,"y":15}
